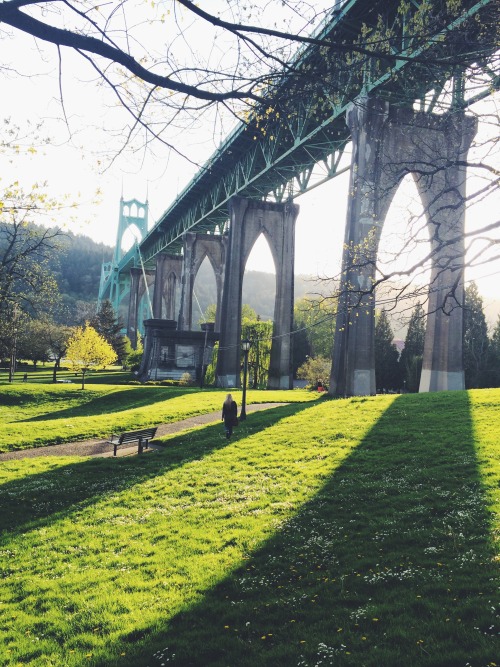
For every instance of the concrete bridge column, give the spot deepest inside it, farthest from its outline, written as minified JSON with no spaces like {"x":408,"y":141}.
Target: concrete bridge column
{"x":280,"y":369}
{"x":249,"y":219}
{"x":353,"y":368}
{"x":186,"y":309}
{"x":443,"y":195}
{"x":135,"y":277}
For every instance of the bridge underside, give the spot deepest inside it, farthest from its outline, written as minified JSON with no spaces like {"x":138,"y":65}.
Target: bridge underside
{"x":339,"y":89}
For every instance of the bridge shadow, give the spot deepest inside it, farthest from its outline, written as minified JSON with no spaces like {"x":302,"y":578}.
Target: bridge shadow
{"x":105,"y":404}
{"x":395,"y":546}
{"x":26,"y":504}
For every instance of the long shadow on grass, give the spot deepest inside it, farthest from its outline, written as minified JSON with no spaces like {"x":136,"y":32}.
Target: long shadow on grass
{"x":105,"y":404}
{"x":29,"y":502}
{"x":390,"y":564}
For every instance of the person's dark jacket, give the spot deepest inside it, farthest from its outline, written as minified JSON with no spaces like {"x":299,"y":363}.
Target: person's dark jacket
{"x":229,"y":412}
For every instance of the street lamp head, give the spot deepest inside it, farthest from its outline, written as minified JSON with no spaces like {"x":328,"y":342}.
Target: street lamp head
{"x":245,"y":345}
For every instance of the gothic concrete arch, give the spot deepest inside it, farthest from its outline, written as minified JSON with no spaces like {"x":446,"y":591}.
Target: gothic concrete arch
{"x":168,"y":275}
{"x":388,"y":143}
{"x":197,"y":247}
{"x":248,"y":220}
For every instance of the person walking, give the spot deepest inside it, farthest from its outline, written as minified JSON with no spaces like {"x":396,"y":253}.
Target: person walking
{"x":229,"y":415}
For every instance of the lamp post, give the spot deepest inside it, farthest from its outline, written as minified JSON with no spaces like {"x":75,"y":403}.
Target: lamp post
{"x":245,"y":346}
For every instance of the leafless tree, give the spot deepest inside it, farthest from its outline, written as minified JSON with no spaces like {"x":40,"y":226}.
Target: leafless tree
{"x":256,"y":69}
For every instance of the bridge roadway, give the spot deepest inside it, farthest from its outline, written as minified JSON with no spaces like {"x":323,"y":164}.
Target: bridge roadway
{"x":306,"y":125}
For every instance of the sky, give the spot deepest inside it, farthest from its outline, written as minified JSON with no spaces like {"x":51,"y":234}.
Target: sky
{"x":77,"y":164}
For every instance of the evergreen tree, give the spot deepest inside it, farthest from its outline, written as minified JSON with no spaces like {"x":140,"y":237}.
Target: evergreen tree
{"x":476,"y":341}
{"x":110,"y":328}
{"x":494,"y":356}
{"x":410,"y":362}
{"x":386,"y":355}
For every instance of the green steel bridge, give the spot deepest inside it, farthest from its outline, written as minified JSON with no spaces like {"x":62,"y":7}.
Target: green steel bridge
{"x":273,"y":154}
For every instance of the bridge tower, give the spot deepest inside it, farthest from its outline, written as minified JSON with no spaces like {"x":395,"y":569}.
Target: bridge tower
{"x":133,"y":216}
{"x":389,"y":143}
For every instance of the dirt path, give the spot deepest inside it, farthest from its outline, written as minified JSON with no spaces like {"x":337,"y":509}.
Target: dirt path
{"x":103,"y":448}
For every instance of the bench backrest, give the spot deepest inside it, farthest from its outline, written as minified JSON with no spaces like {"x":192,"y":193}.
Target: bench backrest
{"x":134,"y":436}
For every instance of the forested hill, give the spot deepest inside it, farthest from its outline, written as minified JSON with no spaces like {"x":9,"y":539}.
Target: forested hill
{"x":77,"y":266}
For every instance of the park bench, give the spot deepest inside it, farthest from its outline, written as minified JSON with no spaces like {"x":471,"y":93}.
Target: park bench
{"x":142,"y":438}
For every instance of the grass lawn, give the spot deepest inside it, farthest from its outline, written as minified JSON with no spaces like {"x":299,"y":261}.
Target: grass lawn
{"x":359,"y":532}
{"x":34,"y":415}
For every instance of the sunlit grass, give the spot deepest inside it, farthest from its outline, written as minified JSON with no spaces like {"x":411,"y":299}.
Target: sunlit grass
{"x":352,"y":532}
{"x":37,"y":415}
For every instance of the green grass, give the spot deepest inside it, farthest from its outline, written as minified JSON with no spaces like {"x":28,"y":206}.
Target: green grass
{"x":34,"y":415}
{"x":351,"y":532}
{"x":44,"y":374}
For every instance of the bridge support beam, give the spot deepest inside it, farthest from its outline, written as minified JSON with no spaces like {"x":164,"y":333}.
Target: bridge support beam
{"x":167,"y":282}
{"x":443,"y":195}
{"x":389,"y":143}
{"x":137,"y":292}
{"x":196,"y":248}
{"x":249,"y":219}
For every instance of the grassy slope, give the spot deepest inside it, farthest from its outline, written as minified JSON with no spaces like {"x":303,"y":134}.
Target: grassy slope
{"x":36,"y":415}
{"x":353,"y":532}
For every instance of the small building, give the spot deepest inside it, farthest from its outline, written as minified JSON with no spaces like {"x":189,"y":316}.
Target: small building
{"x":169,"y":353}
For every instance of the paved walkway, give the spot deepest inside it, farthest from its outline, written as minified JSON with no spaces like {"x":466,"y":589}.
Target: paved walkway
{"x":101,"y":448}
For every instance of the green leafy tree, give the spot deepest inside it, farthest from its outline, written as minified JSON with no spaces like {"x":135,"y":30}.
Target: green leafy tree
{"x":301,"y":348}
{"x":476,"y":341}
{"x":58,"y":336}
{"x":314,"y":370}
{"x":33,"y":343}
{"x":260,"y":333}
{"x":209,"y":314}
{"x":386,"y":355}
{"x":135,"y":357}
{"x":410,"y":361}
{"x":317,"y":317}
{"x":27,"y":284}
{"x":89,"y":350}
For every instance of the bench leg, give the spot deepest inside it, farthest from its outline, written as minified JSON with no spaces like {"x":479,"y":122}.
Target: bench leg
{"x":139,"y":446}
{"x":114,"y":453}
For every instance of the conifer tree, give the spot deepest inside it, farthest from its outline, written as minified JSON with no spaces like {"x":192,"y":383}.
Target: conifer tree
{"x":475,"y":339}
{"x":410,"y":362}
{"x":494,"y":356}
{"x":386,"y":355}
{"x":110,"y":328}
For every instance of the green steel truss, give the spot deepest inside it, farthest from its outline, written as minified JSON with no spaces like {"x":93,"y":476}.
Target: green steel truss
{"x":273,"y":155}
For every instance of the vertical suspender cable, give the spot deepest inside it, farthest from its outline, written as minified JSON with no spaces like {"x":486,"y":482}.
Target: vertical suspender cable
{"x":145,"y":281}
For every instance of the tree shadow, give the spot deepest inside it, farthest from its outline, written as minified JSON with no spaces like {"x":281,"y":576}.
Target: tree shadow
{"x":390,"y":564}
{"x":31,"y":501}
{"x":105,"y":404}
